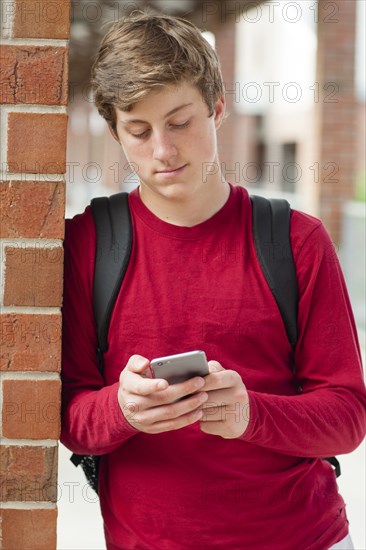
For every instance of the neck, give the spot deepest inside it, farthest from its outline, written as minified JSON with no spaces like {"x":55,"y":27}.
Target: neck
{"x":187,"y":210}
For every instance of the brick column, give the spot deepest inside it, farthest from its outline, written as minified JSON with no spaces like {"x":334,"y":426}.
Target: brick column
{"x":33,"y":97}
{"x":225,"y":33}
{"x":336,"y":110}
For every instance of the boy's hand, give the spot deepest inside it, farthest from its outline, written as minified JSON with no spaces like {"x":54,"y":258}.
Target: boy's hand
{"x":226,"y":412}
{"x":151,"y":406}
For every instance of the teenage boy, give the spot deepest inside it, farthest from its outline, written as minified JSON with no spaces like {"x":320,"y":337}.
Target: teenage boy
{"x":239,"y":463}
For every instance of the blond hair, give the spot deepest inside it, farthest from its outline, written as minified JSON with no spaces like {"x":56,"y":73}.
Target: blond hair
{"x":145,"y":51}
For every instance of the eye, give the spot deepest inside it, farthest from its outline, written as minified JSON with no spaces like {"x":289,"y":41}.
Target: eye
{"x":180,"y":126}
{"x":145,"y":133}
{"x":140,"y":136}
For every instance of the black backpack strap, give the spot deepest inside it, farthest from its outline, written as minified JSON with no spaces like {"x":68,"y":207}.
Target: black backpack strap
{"x":113,"y":224}
{"x":271,"y":233}
{"x":335,"y":463}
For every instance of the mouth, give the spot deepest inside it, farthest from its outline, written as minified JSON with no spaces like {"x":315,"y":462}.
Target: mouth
{"x":171,"y":172}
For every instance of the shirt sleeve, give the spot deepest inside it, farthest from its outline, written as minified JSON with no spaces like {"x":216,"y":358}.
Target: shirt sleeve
{"x":92,"y":421}
{"x":328,"y":416}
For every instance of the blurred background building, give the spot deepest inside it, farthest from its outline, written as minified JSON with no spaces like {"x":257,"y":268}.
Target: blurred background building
{"x":294,"y":74}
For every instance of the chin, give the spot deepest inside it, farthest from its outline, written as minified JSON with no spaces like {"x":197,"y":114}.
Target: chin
{"x":179,"y":190}
{"x":175,"y":191}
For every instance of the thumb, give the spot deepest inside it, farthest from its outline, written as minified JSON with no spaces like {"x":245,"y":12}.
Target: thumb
{"x":214,"y":366}
{"x":137,"y":363}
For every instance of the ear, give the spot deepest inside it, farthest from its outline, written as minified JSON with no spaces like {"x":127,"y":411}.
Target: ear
{"x":219,"y":111}
{"x":114,"y":134}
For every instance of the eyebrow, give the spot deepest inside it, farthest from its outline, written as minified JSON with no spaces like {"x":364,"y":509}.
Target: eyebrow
{"x":136,"y":120}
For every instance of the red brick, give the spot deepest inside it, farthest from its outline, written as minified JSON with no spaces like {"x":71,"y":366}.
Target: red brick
{"x":33,"y":275}
{"x":30,"y":342}
{"x":336,"y":64}
{"x":37,"y":143}
{"x":32,"y":209}
{"x":35,"y":75}
{"x":28,"y":473}
{"x":28,"y":529}
{"x":31,"y":409}
{"x":41,"y":19}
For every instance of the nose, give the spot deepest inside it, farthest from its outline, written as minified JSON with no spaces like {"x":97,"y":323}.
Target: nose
{"x":163,"y":147}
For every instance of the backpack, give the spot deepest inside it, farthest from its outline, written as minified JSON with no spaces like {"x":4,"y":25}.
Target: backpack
{"x":271,"y":234}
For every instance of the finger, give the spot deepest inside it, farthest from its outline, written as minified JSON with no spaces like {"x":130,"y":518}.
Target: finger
{"x":137,"y":363}
{"x":171,"y":411}
{"x":221,"y":379}
{"x":215,"y":366}
{"x":175,"y":423}
{"x":175,"y":392}
{"x":134,"y":384}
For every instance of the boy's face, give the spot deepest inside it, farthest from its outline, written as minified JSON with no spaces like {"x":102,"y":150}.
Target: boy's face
{"x":170,"y":141}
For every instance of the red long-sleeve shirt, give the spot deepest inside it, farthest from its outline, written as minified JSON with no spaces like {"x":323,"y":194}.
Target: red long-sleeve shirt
{"x":203,"y":288}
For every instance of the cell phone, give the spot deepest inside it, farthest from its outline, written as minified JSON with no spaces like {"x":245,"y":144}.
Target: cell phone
{"x":180,"y":367}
